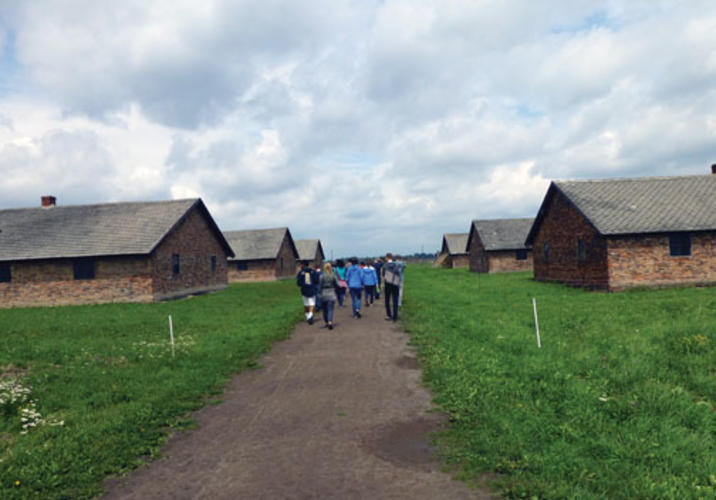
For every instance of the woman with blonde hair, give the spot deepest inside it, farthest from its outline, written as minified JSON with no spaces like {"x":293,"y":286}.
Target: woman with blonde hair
{"x":327,"y":285}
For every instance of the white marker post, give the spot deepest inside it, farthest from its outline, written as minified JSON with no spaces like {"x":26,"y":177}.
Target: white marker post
{"x":171,"y":334}
{"x":534,"y":306}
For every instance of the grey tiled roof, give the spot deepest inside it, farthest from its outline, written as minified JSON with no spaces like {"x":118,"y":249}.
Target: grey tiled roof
{"x":456,"y":243}
{"x":646,"y":205}
{"x":307,"y":249}
{"x":256,"y":244}
{"x":503,"y":234}
{"x":89,"y":230}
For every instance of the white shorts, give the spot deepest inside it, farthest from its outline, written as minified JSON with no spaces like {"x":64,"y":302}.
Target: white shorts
{"x":309,"y":301}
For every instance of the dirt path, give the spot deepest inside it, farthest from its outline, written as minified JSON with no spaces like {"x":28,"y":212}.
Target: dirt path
{"x":332,"y":414}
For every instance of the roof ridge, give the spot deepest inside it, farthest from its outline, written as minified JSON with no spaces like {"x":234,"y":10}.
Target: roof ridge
{"x":111,"y":203}
{"x":634,"y":179}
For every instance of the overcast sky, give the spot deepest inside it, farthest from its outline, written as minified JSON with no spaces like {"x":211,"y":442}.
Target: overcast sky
{"x":374,"y":125}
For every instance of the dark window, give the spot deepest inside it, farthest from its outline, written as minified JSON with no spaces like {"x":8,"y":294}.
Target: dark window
{"x":83,"y":269}
{"x":545,"y":252}
{"x":213,"y":263}
{"x":5,"y":275}
{"x":581,"y":250}
{"x":242,"y":266}
{"x":175,"y":264}
{"x":521,"y":254}
{"x":680,"y":244}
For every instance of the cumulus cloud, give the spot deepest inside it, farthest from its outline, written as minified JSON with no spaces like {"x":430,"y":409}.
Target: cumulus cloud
{"x":373,"y":125}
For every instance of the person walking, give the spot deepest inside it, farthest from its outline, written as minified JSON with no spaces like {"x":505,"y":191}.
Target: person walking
{"x":391,"y":287}
{"x":307,"y":279}
{"x":401,"y":268}
{"x":340,"y":272}
{"x":354,"y":279}
{"x":327,"y":285}
{"x":370,"y":281}
{"x":377,"y":264}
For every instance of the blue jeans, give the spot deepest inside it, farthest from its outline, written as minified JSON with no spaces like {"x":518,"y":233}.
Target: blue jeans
{"x":341,"y":293}
{"x":355,"y":299}
{"x":328,"y":306}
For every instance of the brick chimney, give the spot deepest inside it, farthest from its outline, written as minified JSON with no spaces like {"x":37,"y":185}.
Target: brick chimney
{"x":713,"y":168}
{"x":48,"y":201}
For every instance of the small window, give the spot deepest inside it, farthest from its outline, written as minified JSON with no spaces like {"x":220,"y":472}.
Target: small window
{"x":175,"y":264}
{"x":521,"y":254}
{"x":545,"y":252}
{"x":5,"y":274}
{"x":213,"y":263}
{"x":83,"y":269}
{"x":242,"y":266}
{"x":581,"y":250}
{"x":680,"y":244}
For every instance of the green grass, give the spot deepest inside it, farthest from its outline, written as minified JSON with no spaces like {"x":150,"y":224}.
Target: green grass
{"x":107,"y":372}
{"x":618,"y":403}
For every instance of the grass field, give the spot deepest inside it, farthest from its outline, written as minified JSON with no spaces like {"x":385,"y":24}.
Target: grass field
{"x":98,"y":386}
{"x":618,"y":403}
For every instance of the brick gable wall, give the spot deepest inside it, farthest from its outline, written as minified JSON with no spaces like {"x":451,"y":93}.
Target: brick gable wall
{"x":561,"y":228}
{"x":459,"y":261}
{"x":645,"y":260}
{"x":478,"y":255}
{"x":195,"y":243}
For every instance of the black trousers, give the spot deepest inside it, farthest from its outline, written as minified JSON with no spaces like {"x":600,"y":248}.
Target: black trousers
{"x":392,"y":293}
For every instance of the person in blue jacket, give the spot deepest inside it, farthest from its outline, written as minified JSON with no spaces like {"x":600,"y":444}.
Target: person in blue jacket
{"x":354,"y":278}
{"x":370,"y":280}
{"x":307,"y":279}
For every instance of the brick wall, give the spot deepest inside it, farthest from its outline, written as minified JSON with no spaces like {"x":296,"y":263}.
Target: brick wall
{"x":503,"y":261}
{"x":256,"y":270}
{"x":52,"y":283}
{"x":645,"y":261}
{"x":495,"y":261}
{"x":561,"y":228}
{"x":286,"y":262}
{"x":195,"y":243}
{"x":478,"y":255}
{"x":459,"y":261}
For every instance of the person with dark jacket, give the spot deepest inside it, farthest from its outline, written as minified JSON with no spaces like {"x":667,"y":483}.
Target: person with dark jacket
{"x":307,"y":279}
{"x":377,"y":265}
{"x":354,"y":278}
{"x":391,"y":286}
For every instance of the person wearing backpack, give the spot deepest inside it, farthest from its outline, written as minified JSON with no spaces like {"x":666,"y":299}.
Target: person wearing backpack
{"x":307,"y":279}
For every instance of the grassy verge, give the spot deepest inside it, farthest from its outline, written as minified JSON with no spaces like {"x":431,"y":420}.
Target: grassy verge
{"x":104,"y":389}
{"x":618,"y":403}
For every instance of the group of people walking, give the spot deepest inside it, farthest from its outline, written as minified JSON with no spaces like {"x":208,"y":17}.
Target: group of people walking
{"x":321,"y":288}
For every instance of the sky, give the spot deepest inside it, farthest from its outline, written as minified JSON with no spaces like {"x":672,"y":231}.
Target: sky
{"x":375,"y":126}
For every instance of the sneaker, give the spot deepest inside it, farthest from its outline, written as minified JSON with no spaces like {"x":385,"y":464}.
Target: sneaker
{"x":330,"y":327}
{"x":310,"y":320}
{"x":358,"y":314}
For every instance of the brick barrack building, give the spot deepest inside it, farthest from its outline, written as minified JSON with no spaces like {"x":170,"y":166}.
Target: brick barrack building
{"x":309,"y":252}
{"x":621,"y":233}
{"x":498,"y":245}
{"x":113,"y":252}
{"x":453,"y":253}
{"x":261,"y":254}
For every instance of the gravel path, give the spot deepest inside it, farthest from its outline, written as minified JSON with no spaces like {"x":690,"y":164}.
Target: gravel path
{"x":331,"y":414}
